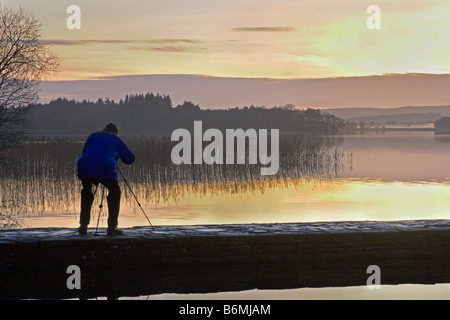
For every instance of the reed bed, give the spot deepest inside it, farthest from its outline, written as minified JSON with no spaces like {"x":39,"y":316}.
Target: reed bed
{"x":40,"y":174}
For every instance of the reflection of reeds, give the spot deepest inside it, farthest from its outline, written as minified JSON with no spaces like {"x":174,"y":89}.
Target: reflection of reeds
{"x":40,"y":174}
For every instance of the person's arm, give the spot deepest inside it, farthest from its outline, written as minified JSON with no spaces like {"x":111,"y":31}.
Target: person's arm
{"x":125,"y":154}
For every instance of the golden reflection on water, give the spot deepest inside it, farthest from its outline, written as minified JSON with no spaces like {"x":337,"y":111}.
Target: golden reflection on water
{"x":386,"y":292}
{"x":297,"y":201}
{"x":39,"y":187}
{"x":327,"y":200}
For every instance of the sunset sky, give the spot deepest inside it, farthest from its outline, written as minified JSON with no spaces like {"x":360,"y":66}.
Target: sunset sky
{"x":282,"y":39}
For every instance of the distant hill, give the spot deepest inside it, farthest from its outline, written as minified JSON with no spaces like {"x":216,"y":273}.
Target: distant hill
{"x":408,"y":114}
{"x":384,"y":91}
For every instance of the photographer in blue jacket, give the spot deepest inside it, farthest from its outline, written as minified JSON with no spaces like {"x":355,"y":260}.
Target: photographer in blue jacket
{"x":98,"y":165}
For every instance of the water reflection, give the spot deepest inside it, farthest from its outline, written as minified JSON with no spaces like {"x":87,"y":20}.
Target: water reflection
{"x":387,"y":292}
{"x":39,"y":176}
{"x":393,"y":176}
{"x":399,"y":156}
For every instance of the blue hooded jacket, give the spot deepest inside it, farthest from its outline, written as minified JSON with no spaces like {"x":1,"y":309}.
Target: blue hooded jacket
{"x":101,"y":153}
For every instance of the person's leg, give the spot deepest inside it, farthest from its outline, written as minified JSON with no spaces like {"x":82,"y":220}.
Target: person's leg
{"x":87,"y":198}
{"x":113,"y":202}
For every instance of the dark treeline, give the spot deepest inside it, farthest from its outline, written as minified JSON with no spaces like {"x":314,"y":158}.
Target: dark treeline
{"x":150,"y":113}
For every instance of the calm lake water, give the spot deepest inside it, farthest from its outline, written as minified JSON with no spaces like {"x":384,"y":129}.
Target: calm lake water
{"x":391,"y":176}
{"x":373,"y":176}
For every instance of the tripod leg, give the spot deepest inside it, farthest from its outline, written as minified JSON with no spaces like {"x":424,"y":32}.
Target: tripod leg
{"x":135,"y":198}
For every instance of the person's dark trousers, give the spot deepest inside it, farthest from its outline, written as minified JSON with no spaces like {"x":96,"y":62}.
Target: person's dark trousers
{"x":87,"y":198}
